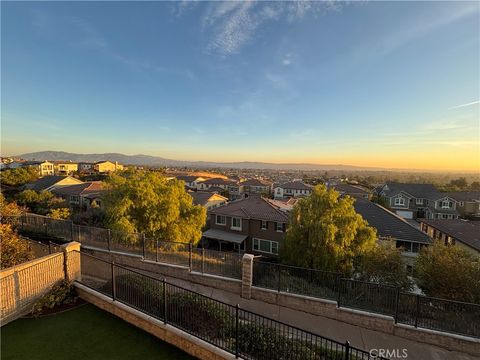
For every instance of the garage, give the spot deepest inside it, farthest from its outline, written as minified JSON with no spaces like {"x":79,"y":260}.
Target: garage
{"x":405,"y":214}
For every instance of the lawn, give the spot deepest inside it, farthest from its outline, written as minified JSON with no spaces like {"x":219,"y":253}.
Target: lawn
{"x":82,"y":333}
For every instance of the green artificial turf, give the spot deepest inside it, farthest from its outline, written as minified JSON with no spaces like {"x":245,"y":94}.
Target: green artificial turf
{"x":84,"y":333}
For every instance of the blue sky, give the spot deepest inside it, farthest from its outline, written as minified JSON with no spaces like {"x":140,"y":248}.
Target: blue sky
{"x":392,"y":84}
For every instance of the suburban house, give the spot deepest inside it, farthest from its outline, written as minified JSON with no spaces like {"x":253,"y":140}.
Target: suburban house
{"x":85,"y":167}
{"x":65,"y":167}
{"x":468,"y":202}
{"x":103,"y":167}
{"x":207,"y":199}
{"x":44,"y":168}
{"x":391,"y":226}
{"x":355,"y":191}
{"x":82,"y":195}
{"x":412,"y":201}
{"x":462,"y":233}
{"x":256,"y":187}
{"x":191,"y":181}
{"x":293,"y":189}
{"x":215,"y":182}
{"x":51,"y":182}
{"x":254,"y":224}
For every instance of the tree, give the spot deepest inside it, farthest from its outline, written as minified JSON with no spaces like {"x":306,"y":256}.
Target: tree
{"x":326,"y":233}
{"x":461,"y":182}
{"x":39,"y":202}
{"x":59,"y":213}
{"x":9,"y":211}
{"x":475,"y":186}
{"x":384,"y":264}
{"x":19,"y":176}
{"x":450,"y":272}
{"x":146,"y":202}
{"x":13,"y":249}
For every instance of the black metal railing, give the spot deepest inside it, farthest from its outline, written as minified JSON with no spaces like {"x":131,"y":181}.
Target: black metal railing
{"x":238,"y":331}
{"x":405,"y":308}
{"x":206,"y":261}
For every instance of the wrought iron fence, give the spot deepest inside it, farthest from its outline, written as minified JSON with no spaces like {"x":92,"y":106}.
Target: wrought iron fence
{"x":406,"y":308}
{"x":297,"y":280}
{"x":240,"y":332}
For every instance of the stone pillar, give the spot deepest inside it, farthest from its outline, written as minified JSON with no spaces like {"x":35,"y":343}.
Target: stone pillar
{"x":247,"y":275}
{"x":71,"y":261}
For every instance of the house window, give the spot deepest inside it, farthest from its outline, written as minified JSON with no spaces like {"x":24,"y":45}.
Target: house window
{"x":75,"y":199}
{"x":264,"y":225}
{"x":446,"y":204}
{"x":266,"y":246}
{"x":400,"y":201}
{"x":236,"y":223}
{"x":279,"y":227}
{"x":220,"y":220}
{"x":419,"y":201}
{"x":462,"y":204}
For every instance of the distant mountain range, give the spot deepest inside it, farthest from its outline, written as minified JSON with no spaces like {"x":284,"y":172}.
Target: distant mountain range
{"x":147,"y":160}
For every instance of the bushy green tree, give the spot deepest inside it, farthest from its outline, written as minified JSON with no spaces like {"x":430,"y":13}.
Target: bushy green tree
{"x":9,"y":210}
{"x":326,"y":233}
{"x":39,"y":202}
{"x":19,"y":176}
{"x":146,"y":202}
{"x":449,"y":272}
{"x":384,"y":264}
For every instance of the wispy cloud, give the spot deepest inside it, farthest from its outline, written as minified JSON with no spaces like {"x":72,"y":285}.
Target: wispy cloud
{"x":465,"y":105}
{"x":231,"y":25}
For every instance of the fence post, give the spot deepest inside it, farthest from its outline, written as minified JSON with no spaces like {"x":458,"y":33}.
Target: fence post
{"x":236,"y":330}
{"x":109,"y":240}
{"x":339,"y":284}
{"x":23,"y":216}
{"x":144,"y":245}
{"x":417,"y":310}
{"x":397,"y":300}
{"x":156,"y":250}
{"x":114,"y":292}
{"x":347,"y":350}
{"x":71,"y":230}
{"x":45,"y":226}
{"x":165,"y":302}
{"x":190,"y":260}
{"x":279,"y":272}
{"x":203,"y":260}
{"x":49,"y":247}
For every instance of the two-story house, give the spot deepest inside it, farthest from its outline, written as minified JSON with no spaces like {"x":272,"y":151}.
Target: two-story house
{"x":461,"y":233}
{"x":391,"y":226}
{"x":412,"y":201}
{"x":191,"y":181}
{"x":65,"y":167}
{"x":254,"y":224}
{"x":256,"y":187}
{"x":44,"y":168}
{"x":468,"y":202}
{"x":85,"y":167}
{"x":215,"y":182}
{"x":104,"y":167}
{"x":291,"y":189}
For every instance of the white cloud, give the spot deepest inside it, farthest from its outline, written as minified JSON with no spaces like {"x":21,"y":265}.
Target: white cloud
{"x":465,"y":105}
{"x":230,"y":25}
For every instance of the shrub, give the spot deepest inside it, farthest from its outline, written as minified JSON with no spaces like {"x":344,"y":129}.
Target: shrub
{"x":62,"y":293}
{"x":14,"y":250}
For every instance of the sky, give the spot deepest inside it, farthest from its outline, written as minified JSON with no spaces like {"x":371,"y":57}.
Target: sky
{"x":389,"y":84}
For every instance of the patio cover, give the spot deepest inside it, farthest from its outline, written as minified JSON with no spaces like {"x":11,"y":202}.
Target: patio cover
{"x":222,"y":235}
